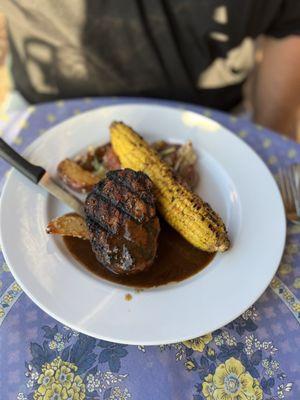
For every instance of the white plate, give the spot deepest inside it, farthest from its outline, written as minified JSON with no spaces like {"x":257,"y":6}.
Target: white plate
{"x":233,"y":180}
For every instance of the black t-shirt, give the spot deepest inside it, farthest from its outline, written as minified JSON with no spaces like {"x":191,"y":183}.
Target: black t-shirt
{"x":189,"y":50}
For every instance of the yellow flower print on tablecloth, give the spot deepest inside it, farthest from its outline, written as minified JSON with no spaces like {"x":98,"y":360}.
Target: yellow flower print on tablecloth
{"x":53,"y":391}
{"x":208,"y":387}
{"x":210,"y":352}
{"x":16,"y":287}
{"x":45,"y":381}
{"x":288,"y":296}
{"x":231,"y":381}
{"x":190,"y":365}
{"x":296,"y":283}
{"x":7,"y":299}
{"x":199,"y":343}
{"x":2,"y":312}
{"x":285,"y":269}
{"x":275,"y":284}
{"x":257,"y":391}
{"x":58,"y":380}
{"x":296,"y":307}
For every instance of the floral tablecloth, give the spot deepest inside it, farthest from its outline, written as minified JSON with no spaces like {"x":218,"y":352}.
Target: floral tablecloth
{"x":255,"y":357}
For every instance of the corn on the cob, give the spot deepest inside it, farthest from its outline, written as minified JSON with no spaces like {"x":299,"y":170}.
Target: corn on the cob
{"x":183,"y":210}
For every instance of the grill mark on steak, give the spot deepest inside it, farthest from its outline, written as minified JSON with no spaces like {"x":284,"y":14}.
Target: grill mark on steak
{"x":145,"y":192}
{"x":123,"y":227}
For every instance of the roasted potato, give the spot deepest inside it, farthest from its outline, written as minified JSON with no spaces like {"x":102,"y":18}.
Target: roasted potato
{"x":77,"y":178}
{"x":68,"y":225}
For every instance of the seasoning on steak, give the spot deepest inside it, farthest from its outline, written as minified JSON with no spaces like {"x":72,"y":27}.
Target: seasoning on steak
{"x":122,"y":222}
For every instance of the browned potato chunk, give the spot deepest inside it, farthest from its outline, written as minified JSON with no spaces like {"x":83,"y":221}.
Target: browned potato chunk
{"x":68,"y":225}
{"x":77,"y":178}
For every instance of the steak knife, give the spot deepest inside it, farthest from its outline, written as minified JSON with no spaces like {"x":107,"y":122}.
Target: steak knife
{"x":39,"y":176}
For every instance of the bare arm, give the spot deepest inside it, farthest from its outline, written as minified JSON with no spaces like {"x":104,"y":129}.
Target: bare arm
{"x":276,"y":91}
{"x":4,"y":79}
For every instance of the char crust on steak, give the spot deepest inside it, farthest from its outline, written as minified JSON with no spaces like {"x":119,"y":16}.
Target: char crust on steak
{"x":122,"y":222}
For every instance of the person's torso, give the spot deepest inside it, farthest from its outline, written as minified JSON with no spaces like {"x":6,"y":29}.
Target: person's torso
{"x":191,"y":50}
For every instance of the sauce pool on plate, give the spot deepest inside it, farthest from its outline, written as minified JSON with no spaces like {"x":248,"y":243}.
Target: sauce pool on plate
{"x":175,"y":261}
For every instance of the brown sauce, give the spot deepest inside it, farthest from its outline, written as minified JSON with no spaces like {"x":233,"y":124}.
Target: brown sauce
{"x":176,"y":260}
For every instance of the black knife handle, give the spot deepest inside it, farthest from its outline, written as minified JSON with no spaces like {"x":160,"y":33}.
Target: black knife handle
{"x":31,"y":171}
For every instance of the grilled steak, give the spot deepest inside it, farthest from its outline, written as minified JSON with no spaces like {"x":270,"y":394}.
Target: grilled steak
{"x":122,"y":222}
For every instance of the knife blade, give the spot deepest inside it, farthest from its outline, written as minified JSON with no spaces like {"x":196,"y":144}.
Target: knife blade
{"x":62,"y":195}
